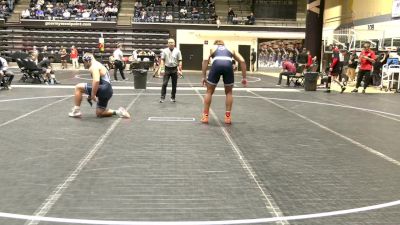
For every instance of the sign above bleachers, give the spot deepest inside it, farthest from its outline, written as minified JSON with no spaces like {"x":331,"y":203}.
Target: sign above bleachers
{"x":67,"y":24}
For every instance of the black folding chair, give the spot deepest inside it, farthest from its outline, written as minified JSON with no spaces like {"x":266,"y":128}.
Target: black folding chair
{"x":34,"y":72}
{"x":24,"y":71}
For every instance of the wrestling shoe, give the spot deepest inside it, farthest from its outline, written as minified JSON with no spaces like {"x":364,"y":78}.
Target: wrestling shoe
{"x":228,"y":119}
{"x":204,"y":118}
{"x":75,"y":113}
{"x":121,"y":112}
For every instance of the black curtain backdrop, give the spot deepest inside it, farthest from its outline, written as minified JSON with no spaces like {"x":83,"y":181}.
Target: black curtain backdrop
{"x":314,"y":24}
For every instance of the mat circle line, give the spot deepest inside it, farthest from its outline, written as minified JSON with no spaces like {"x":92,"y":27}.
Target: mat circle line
{"x":222,"y":222}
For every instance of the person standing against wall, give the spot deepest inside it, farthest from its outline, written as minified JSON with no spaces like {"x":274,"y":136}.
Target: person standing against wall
{"x":74,"y":57}
{"x":253,"y":59}
{"x":171,"y":63}
{"x":63,"y":56}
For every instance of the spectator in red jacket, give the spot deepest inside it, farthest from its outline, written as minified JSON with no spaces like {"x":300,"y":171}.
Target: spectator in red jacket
{"x":288,"y":70}
{"x":367,"y":58}
{"x":74,"y":57}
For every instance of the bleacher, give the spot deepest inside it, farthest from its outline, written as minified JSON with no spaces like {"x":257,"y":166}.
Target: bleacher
{"x":159,"y":14}
{"x":16,"y":42}
{"x":81,"y":10}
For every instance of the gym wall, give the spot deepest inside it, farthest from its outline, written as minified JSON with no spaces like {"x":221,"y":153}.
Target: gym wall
{"x":342,"y":12}
{"x":232,"y":39}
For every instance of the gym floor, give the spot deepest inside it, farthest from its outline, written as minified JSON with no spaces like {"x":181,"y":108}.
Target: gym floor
{"x":287,"y":153}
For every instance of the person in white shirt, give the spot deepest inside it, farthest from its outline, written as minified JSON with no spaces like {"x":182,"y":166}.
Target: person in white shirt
{"x":4,"y":72}
{"x":108,"y":12}
{"x":114,"y":10}
{"x":183,"y":12}
{"x":135,"y":55}
{"x":169,"y":18}
{"x":86,"y":15}
{"x":118,"y":62}
{"x":66,"y":15}
{"x":25,"y":14}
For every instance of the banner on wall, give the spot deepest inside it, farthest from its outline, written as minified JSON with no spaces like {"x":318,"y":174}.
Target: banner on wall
{"x":101,"y":43}
{"x":396,"y":8}
{"x":271,"y":52}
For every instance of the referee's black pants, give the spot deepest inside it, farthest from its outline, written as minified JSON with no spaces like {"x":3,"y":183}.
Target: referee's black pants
{"x":173,"y":73}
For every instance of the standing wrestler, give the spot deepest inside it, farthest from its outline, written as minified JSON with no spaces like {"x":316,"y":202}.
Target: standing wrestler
{"x":221,"y":66}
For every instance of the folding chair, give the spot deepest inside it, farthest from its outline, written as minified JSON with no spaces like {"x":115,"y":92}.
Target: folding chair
{"x":24,"y":71}
{"x":34,"y":72}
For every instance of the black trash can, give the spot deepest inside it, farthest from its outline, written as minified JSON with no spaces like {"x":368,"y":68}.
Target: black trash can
{"x":310,"y":81}
{"x":139,"y":78}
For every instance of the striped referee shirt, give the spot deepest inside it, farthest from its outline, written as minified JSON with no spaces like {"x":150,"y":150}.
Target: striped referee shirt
{"x":171,"y":58}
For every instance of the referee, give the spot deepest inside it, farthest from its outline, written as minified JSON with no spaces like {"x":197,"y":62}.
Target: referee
{"x":171,"y":61}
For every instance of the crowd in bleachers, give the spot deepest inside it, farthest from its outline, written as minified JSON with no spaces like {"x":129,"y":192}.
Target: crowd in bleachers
{"x":190,"y":11}
{"x":90,"y":10}
{"x":233,"y":18}
{"x":6,"y":8}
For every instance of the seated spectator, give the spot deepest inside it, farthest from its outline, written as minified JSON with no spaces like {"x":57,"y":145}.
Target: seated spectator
{"x":93,"y":14}
{"x":231,"y":14}
{"x":72,"y":3}
{"x":194,"y":3}
{"x":143,"y":16}
{"x":66,"y":15}
{"x":195,"y":13}
{"x":169,"y":18}
{"x":183,"y":12}
{"x":114,"y":10}
{"x":49,"y":8}
{"x":108,"y":12}
{"x":40,"y":2}
{"x":5,"y":73}
{"x":235,"y":20}
{"x":288,"y":70}
{"x":39,"y":14}
{"x":33,"y":13}
{"x":163,"y":18}
{"x":251,"y":20}
{"x":25,"y":14}
{"x":86,"y":15}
